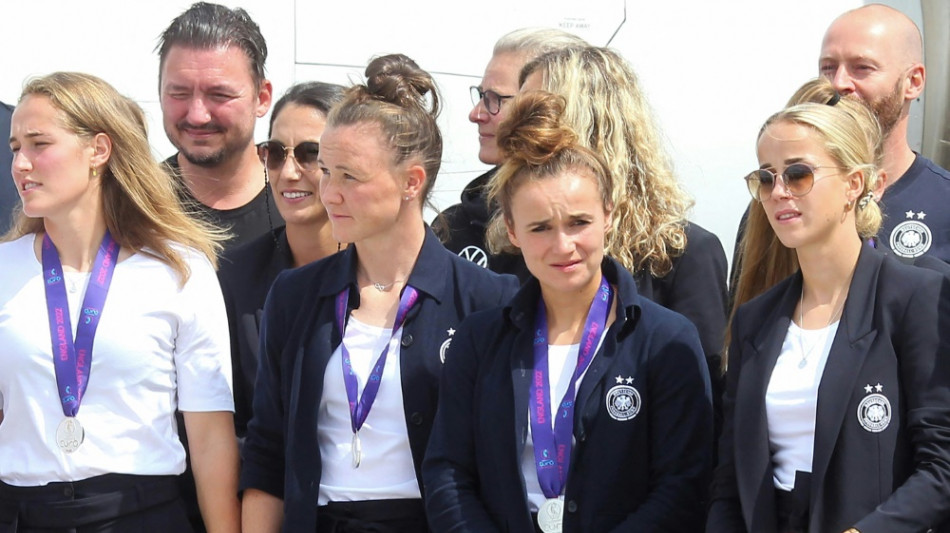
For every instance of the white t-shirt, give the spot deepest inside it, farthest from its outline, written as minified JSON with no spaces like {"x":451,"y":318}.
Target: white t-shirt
{"x":386,"y":470}
{"x":791,"y":400}
{"x":158,"y":348}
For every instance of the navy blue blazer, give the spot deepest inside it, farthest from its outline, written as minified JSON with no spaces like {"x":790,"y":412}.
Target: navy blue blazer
{"x":887,"y":474}
{"x":645,"y":473}
{"x":298,"y":336}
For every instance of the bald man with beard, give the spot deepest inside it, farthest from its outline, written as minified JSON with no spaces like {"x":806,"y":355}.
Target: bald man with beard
{"x":875,"y":53}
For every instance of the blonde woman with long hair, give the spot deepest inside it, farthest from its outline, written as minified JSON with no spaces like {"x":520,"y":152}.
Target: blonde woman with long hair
{"x":103,"y":252}
{"x":762,"y":260}
{"x":836,"y":412}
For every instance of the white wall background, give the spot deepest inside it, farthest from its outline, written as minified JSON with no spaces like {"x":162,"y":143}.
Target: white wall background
{"x":713,"y":71}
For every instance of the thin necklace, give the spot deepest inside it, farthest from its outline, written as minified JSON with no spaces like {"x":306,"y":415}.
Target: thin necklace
{"x":801,"y":323}
{"x":381,"y":287}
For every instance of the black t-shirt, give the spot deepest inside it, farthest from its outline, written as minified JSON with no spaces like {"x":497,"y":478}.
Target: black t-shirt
{"x":245,"y":223}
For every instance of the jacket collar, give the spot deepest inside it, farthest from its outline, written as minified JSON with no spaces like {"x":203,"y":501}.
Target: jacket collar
{"x":475,"y":200}
{"x":855,"y":320}
{"x":521,"y":314}
{"x":850,"y":347}
{"x":428,"y":274}
{"x":523,"y":307}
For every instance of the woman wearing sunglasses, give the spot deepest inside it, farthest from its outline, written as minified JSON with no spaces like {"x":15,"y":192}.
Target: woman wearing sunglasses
{"x":247,"y":272}
{"x":762,"y":260}
{"x":837,"y":405}
{"x":580,"y":406}
{"x":352,"y":345}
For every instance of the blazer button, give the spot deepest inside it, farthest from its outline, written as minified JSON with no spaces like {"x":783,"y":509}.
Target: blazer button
{"x":416,"y":418}
{"x":572,"y":506}
{"x":407,"y":340}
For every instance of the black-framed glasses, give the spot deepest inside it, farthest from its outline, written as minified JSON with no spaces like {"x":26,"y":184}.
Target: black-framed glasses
{"x":491,"y":99}
{"x":798,"y":179}
{"x":273,"y":154}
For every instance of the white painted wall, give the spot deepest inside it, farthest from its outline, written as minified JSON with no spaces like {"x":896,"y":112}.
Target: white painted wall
{"x":713,"y":71}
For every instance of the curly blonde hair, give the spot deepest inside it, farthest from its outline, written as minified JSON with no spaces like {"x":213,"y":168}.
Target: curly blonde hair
{"x":539,"y":144}
{"x":607,"y":108}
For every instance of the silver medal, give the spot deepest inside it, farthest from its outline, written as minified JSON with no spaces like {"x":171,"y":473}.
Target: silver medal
{"x":550,"y":515}
{"x":357,"y":449}
{"x":69,"y":435}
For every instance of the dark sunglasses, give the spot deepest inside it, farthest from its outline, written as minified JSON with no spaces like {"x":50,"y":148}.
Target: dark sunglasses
{"x":798,"y":179}
{"x":273,"y":154}
{"x":491,"y":99}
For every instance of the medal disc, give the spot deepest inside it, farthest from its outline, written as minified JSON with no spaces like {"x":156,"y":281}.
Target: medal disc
{"x":357,"y":448}
{"x":550,"y":515}
{"x":69,"y":435}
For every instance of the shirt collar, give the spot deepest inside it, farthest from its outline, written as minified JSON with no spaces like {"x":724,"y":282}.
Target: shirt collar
{"x":523,"y":307}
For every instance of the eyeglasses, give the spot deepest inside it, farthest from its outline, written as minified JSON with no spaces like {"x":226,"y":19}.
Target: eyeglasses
{"x":273,"y":154}
{"x":798,"y":179}
{"x":491,"y":99}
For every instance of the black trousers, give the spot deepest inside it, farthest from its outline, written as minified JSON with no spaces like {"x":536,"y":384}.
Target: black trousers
{"x":793,"y":506}
{"x":113,"y":503}
{"x":372,"y":516}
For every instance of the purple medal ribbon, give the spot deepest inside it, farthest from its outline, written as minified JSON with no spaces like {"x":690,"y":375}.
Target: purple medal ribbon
{"x":552,"y":447}
{"x":359,"y":410}
{"x":72,"y":360}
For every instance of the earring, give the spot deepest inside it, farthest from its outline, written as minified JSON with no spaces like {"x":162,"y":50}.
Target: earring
{"x":865,"y":200}
{"x":94,"y":172}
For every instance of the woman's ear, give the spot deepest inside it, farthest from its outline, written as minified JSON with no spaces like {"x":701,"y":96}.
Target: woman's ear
{"x":855,"y":186}
{"x":101,"y":150}
{"x":415,"y":182}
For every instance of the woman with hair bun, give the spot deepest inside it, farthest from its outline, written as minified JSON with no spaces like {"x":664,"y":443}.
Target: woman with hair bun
{"x":580,"y":405}
{"x":837,"y":406}
{"x":676,"y":263}
{"x":352,"y":345}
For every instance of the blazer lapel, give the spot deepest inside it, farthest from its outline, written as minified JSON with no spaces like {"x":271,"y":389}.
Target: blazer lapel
{"x":522,"y":371}
{"x":626,"y":317}
{"x":848,"y":352}
{"x":751,"y":436}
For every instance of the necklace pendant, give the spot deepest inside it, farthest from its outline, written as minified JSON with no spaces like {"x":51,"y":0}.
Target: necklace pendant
{"x":803,"y":363}
{"x":357,"y":449}
{"x":379,"y":287}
